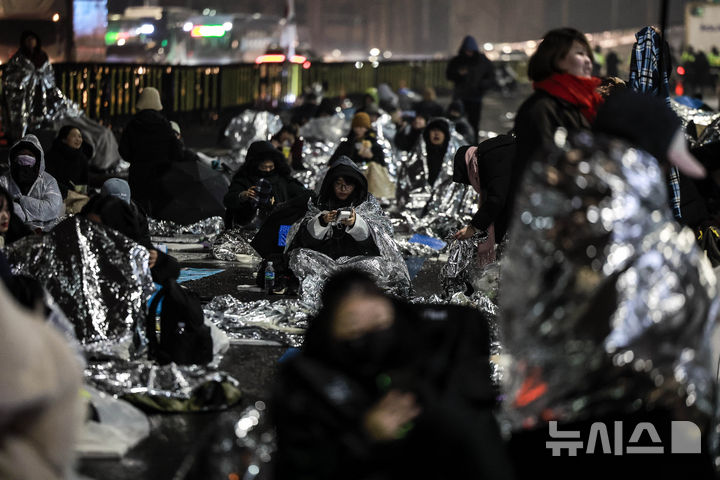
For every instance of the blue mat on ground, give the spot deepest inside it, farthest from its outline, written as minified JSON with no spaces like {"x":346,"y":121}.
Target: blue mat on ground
{"x":414,"y":265}
{"x":188,"y":274}
{"x":432,"y":242}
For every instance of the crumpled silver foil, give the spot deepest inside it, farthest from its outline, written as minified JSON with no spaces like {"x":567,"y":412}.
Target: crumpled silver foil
{"x":100,"y":279}
{"x":210,"y":228}
{"x":283,"y":321}
{"x":326,"y":129}
{"x":461,"y":265}
{"x":442,"y":207}
{"x":390,"y":269}
{"x":701,"y":118}
{"x":411,"y":249}
{"x":171,"y":381}
{"x":231,"y":243}
{"x":316,"y":155}
{"x":251,"y":126}
{"x":33,"y":100}
{"x":607,"y":303}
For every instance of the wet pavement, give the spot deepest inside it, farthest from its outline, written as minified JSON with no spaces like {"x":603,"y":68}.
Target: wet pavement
{"x":174,"y":436}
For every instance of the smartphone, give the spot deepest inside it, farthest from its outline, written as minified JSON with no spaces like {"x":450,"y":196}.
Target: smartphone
{"x":344,"y":215}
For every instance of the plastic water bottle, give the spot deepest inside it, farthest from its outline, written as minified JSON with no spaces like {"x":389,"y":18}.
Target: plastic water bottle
{"x":269,"y":278}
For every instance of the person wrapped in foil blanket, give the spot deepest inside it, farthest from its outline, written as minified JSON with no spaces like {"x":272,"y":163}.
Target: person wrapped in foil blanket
{"x":345,"y":227}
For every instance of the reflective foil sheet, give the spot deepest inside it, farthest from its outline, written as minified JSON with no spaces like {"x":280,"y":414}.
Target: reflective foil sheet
{"x":390,"y":269}
{"x":460,"y":268}
{"x":330,"y":130}
{"x":33,"y":100}
{"x":209,"y":228}
{"x":98,"y":277}
{"x":251,"y":126}
{"x":706,"y":121}
{"x":283,"y":321}
{"x":607,"y":304}
{"x":231,"y":243}
{"x":168,"y":387}
{"x":316,"y":155}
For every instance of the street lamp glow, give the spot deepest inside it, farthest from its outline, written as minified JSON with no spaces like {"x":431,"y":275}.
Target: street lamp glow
{"x":507,"y":49}
{"x":374,"y":52}
{"x":121,"y":42}
{"x":56,"y":17}
{"x":227,"y":26}
{"x":187,"y":27}
{"x":358,"y":65}
{"x":146,"y":29}
{"x":488,"y":47}
{"x":387,"y":54}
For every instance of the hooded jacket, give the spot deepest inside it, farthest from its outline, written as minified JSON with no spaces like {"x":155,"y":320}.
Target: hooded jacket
{"x":338,"y":240}
{"x":436,"y":154}
{"x":479,"y":73}
{"x":43,"y":204}
{"x":67,"y":165}
{"x":284,"y":187}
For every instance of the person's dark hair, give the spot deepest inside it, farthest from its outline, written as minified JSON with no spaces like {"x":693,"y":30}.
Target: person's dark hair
{"x":65,"y":131}
{"x":37,"y":55}
{"x":554,"y":46}
{"x":336,"y":289}
{"x":258,"y":153}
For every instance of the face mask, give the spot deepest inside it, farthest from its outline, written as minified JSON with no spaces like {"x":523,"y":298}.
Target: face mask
{"x":366,"y":355}
{"x":263,"y":174}
{"x":25,"y":160}
{"x":24,"y":176}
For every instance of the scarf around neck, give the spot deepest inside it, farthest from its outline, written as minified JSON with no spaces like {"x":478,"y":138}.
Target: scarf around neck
{"x":579,"y":91}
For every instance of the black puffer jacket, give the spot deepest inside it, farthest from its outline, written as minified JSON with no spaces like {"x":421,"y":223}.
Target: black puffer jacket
{"x":439,"y":353}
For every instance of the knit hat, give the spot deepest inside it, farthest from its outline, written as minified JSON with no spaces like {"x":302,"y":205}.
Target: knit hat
{"x":149,"y":100}
{"x":117,"y":187}
{"x":361,"y":119}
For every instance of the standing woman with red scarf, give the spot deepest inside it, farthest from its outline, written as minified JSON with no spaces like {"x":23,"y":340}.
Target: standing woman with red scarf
{"x":565,"y":96}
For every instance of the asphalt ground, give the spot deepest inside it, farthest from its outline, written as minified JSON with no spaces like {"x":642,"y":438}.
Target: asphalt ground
{"x":174,"y":436}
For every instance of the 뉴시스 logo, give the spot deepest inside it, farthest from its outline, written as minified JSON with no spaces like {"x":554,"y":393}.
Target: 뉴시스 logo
{"x":685,"y":437}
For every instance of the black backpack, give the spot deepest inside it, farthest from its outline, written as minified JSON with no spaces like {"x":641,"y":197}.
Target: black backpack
{"x":184,"y":337}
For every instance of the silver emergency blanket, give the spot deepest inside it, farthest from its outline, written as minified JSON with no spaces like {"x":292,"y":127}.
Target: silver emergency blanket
{"x":442,"y":207}
{"x":330,"y":130}
{"x":607,"y":304}
{"x":283,"y":321}
{"x":313,"y":267}
{"x":248,"y":127}
{"x":33,"y":100}
{"x":461,"y":268}
{"x":701,"y":118}
{"x":209,"y":228}
{"x":386,"y":130}
{"x":99,"y":277}
{"x":231,"y":243}
{"x":161,"y":384}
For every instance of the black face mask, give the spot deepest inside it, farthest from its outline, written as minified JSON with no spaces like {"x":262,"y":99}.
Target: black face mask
{"x":24,"y":176}
{"x":366,"y":356}
{"x":263,"y":174}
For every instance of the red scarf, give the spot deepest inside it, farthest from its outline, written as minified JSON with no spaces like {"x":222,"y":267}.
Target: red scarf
{"x":579,"y":91}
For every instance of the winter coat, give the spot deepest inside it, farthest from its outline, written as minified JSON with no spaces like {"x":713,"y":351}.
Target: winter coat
{"x":338,"y":240}
{"x":494,"y":159}
{"x":284,"y":187}
{"x":479,"y":73}
{"x":43,"y":204}
{"x":407,"y":137}
{"x":439,"y":353}
{"x":535,"y":124}
{"x":68,"y":165}
{"x":150,"y":145}
{"x":349,"y":149}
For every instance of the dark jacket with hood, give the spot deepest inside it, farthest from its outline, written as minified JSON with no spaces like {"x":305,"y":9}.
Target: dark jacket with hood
{"x":479,"y":73}
{"x":438,"y":353}
{"x":495,"y":158}
{"x":36,"y":194}
{"x":37,"y":56}
{"x":436,"y":153}
{"x":349,"y":149}
{"x":338,"y":240}
{"x":68,"y":165}
{"x":150,"y":145}
{"x":284,"y":187}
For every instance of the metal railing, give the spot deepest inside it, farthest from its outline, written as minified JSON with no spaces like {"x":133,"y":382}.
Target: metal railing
{"x":109,"y":90}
